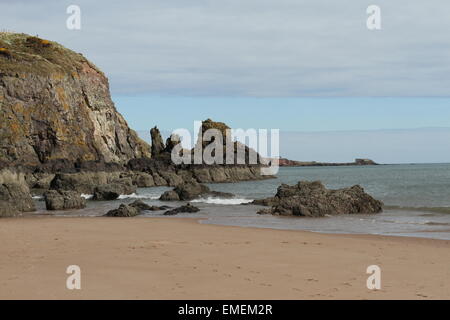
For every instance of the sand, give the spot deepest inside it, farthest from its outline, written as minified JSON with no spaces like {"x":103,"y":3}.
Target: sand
{"x":157,"y":258}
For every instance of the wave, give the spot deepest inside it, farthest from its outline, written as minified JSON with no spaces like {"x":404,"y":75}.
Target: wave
{"x":437,"y":224}
{"x":232,"y":201}
{"x":38,"y":197}
{"x":139,"y":196}
{"x":444,"y":210}
{"x":421,"y":223}
{"x":87,"y":196}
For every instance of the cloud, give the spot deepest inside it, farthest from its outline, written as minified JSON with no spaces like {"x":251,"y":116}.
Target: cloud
{"x":256,"y":48}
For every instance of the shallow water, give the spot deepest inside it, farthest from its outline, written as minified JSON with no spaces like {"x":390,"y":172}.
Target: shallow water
{"x":417,"y":199}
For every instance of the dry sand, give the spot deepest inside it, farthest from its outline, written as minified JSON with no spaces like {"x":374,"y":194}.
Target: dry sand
{"x":157,"y":258}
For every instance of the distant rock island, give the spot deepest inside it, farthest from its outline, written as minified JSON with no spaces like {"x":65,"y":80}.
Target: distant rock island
{"x":283,"y":162}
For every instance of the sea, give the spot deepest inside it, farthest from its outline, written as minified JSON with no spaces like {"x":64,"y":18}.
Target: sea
{"x":416,"y":198}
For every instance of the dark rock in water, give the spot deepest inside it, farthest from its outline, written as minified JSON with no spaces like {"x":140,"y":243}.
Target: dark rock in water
{"x":113,"y":191}
{"x":312,"y":199}
{"x":141,"y":205}
{"x":157,"y":142}
{"x":107,"y":192}
{"x":191,"y":190}
{"x":124,"y":211}
{"x":56,"y":105}
{"x":169,"y":196}
{"x":183,"y":209}
{"x":133,"y":209}
{"x":63,"y":200}
{"x":15,"y":195}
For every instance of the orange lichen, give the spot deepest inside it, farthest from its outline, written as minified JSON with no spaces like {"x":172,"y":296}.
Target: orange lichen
{"x":5,"y":52}
{"x":35,"y":42}
{"x":45,"y":43}
{"x":62,"y":98}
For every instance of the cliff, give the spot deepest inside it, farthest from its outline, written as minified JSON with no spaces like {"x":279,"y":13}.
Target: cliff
{"x":55,"y":105}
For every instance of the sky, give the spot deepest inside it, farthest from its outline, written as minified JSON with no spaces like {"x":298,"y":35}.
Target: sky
{"x":297,"y":65}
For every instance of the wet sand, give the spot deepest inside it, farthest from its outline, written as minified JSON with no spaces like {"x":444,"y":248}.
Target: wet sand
{"x":159,"y":258}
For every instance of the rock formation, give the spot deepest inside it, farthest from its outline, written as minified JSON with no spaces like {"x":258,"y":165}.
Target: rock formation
{"x":124,"y":211}
{"x":133,"y":209}
{"x":157,"y":142}
{"x":242,"y":154}
{"x":59,"y":127}
{"x":312,"y":199}
{"x":191,"y":191}
{"x":15,"y":196}
{"x":55,"y":106}
{"x":188,"y":208}
{"x":90,"y":182}
{"x":63,"y":200}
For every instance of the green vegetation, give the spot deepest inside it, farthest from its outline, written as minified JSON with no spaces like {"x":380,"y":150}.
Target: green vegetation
{"x":28,"y":54}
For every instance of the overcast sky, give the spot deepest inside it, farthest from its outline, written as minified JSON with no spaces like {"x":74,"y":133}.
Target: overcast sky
{"x":253,"y":47}
{"x":171,"y":61}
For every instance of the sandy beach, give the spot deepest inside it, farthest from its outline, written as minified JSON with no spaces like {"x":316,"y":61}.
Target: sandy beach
{"x":157,"y":258}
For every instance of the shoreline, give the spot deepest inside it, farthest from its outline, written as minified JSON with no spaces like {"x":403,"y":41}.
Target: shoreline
{"x":210,"y":220}
{"x":182,"y":258}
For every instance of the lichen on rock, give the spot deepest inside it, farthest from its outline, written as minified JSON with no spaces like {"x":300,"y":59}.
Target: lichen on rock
{"x":55,"y":104}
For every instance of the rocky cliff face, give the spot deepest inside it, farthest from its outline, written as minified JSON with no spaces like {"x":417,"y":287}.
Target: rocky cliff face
{"x":55,"y":104}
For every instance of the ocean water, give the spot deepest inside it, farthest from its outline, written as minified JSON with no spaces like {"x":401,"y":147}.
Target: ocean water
{"x":416,"y":197}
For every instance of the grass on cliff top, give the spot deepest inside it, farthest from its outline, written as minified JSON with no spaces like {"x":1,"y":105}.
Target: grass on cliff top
{"x":24,"y":53}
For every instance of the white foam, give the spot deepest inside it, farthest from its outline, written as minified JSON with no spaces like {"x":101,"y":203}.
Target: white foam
{"x":87,"y":196}
{"x":139,"y":196}
{"x":38,"y":197}
{"x":232,"y":201}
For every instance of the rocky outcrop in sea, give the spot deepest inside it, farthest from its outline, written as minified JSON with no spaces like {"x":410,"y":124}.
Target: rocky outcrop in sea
{"x":312,"y":199}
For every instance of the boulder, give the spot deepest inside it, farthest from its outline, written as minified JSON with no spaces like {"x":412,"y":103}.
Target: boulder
{"x":183,"y":209}
{"x":143,"y":180}
{"x":7,"y":210}
{"x":63,"y":200}
{"x":133,"y":209}
{"x":169,"y":196}
{"x":14,"y":193}
{"x":190,"y":191}
{"x":124,"y":211}
{"x":312,"y":199}
{"x":113,"y":191}
{"x":140,"y":205}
